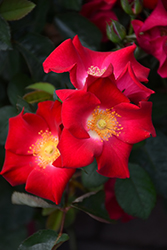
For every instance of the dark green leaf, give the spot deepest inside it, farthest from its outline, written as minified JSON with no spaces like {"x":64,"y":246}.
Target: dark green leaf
{"x":159,"y":105}
{"x":153,"y":157}
{"x":17,"y":87}
{"x":15,"y":9}
{"x":5,"y":113}
{"x":35,"y":48}
{"x":5,"y":35}
{"x":136,"y":195}
{"x":91,"y":178}
{"x":71,"y":24}
{"x":70,"y":4}
{"x":3,"y":58}
{"x":43,"y":240}
{"x":40,"y":15}
{"x":28,"y":108}
{"x":93,"y":204}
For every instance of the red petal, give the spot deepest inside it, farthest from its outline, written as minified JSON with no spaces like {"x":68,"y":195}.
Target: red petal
{"x":75,"y":111}
{"x":111,"y":204}
{"x":113,"y":161}
{"x":51,"y":112}
{"x":131,"y":87}
{"x":16,"y":168}
{"x":49,"y":183}
{"x":158,"y":17}
{"x":136,"y":121}
{"x":62,"y":59}
{"x":23,"y":132}
{"x":107,"y":93}
{"x":121,"y":57}
{"x":77,"y":153}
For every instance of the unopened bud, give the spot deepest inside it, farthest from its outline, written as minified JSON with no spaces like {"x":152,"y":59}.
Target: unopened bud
{"x":132,"y":7}
{"x":115,"y":31}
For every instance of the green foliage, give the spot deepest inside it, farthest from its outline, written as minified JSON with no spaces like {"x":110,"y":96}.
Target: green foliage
{"x":91,"y":178}
{"x":71,"y":24}
{"x":136,"y":195}
{"x":5,"y":35}
{"x":5,"y":113}
{"x":43,"y":240}
{"x":93,"y":204}
{"x":153,"y":158}
{"x":12,"y":10}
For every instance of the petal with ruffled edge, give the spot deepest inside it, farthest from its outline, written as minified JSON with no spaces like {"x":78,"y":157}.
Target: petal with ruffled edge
{"x":64,"y":59}
{"x":75,"y":111}
{"x":121,"y":57}
{"x":23,"y":132}
{"x":16,"y":168}
{"x":135,"y":121}
{"x":128,"y":83}
{"x":113,"y":161}
{"x":158,"y":17}
{"x":107,"y":92}
{"x":49,"y":183}
{"x":77,"y":153}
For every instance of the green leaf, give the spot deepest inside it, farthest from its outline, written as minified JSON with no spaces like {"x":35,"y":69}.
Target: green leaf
{"x":37,"y":96}
{"x":47,"y":87}
{"x":136,"y":195}
{"x":153,"y":157}
{"x":71,"y":24}
{"x":30,"y":200}
{"x":35,"y":48}
{"x":15,"y":9}
{"x":16,"y":87}
{"x":5,"y":35}
{"x":5,"y":113}
{"x":91,"y":178}
{"x":40,"y":14}
{"x":70,"y":4}
{"x":93,"y":204}
{"x":159,"y":105}
{"x":43,"y":240}
{"x":28,"y":108}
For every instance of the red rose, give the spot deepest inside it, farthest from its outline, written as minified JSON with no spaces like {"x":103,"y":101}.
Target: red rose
{"x":113,"y":208}
{"x":99,"y":12}
{"x":150,"y":4}
{"x":81,"y":62}
{"x":102,"y":123}
{"x":31,"y":148}
{"x":152,"y":35}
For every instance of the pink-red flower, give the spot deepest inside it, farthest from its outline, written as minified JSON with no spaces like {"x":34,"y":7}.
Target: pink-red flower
{"x":150,"y":4}
{"x":83,"y":63}
{"x":31,"y":148}
{"x":152,"y":35}
{"x":113,"y":208}
{"x":100,"y":13}
{"x":99,"y":121}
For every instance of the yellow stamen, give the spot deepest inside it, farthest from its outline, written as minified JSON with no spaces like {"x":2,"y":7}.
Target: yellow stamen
{"x":95,"y":71}
{"x":104,"y":123}
{"x":45,"y":149}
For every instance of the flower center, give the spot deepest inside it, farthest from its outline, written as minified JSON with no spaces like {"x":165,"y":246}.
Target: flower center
{"x":45,"y":149}
{"x":104,"y":123}
{"x":95,"y":71}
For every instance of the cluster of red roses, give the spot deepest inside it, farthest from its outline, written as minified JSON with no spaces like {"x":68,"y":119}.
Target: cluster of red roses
{"x":151,"y":33}
{"x":106,"y":113}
